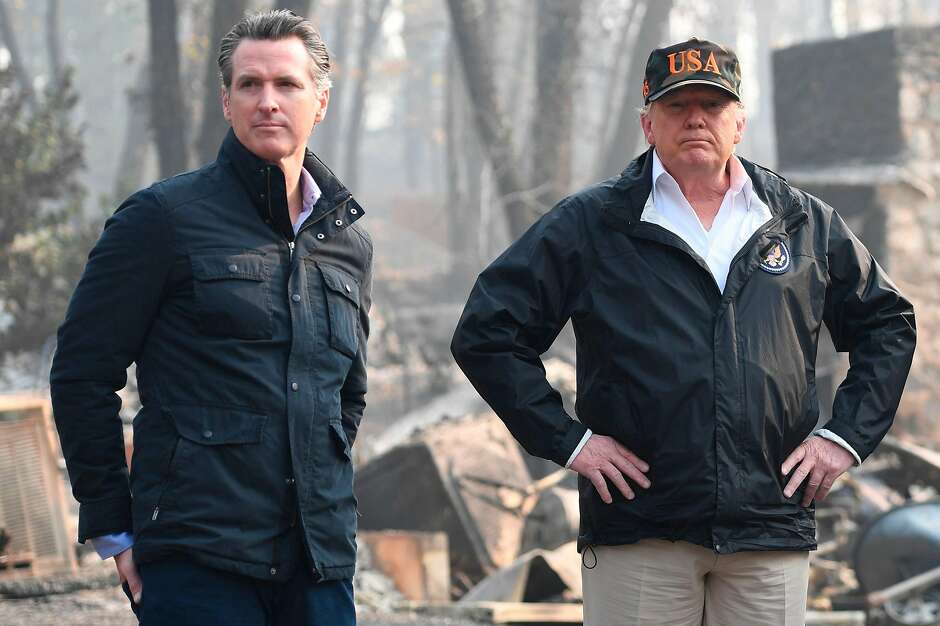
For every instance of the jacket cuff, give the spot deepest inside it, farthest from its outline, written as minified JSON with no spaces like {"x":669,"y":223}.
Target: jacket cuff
{"x":848,"y":435}
{"x":568,"y":441}
{"x":104,"y":517}
{"x":574,"y":454}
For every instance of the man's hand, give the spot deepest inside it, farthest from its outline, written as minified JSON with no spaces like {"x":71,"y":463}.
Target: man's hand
{"x":822,"y":461}
{"x":604,"y":456}
{"x":127,"y":572}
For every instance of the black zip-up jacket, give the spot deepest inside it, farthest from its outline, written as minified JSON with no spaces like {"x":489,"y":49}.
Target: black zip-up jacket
{"x":250,"y":347}
{"x":712,"y":389}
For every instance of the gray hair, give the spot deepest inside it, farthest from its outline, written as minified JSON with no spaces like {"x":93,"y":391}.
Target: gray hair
{"x":645,"y":109}
{"x":273,"y":26}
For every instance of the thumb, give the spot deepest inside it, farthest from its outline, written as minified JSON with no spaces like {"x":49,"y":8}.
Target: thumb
{"x":135,"y":584}
{"x":127,"y":570}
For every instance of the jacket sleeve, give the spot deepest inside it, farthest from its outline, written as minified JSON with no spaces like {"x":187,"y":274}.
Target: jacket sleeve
{"x":353,"y":391}
{"x":869,"y":318}
{"x":516,"y":309}
{"x":106,"y":324}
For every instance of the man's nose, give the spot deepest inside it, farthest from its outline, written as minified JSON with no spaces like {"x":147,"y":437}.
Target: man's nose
{"x":268,"y":100}
{"x":695,"y":117}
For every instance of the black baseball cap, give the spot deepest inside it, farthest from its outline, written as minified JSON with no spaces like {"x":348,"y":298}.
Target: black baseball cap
{"x":692,"y":62}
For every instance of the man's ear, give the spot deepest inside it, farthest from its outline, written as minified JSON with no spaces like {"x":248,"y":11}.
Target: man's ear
{"x":741,"y":123}
{"x":647,"y":125}
{"x":226,"y":104}
{"x":324,"y":99}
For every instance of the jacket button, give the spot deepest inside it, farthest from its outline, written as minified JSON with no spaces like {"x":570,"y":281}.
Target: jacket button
{"x":207,"y":434}
{"x":233,"y":268}
{"x":273,"y":571}
{"x":320,"y":235}
{"x":294,"y":386}
{"x":339,"y":222}
{"x":354,"y":211}
{"x":289,"y":481}
{"x":295,"y":297}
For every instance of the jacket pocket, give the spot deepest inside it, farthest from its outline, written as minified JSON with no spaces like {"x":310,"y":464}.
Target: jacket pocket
{"x":339,"y":437}
{"x":221,"y":464}
{"x":231,"y":295}
{"x":342,"y":301}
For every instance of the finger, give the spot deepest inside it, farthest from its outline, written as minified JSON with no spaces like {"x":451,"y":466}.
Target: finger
{"x":795,"y":457}
{"x":802,"y":471}
{"x":632,"y":472}
{"x":827,"y":483}
{"x":812,"y":485}
{"x":642,"y":465}
{"x":597,"y":479}
{"x":619,"y":481}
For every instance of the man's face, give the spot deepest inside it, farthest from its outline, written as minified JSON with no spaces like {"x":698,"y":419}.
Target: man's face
{"x":694,"y":128}
{"x":272,"y":102}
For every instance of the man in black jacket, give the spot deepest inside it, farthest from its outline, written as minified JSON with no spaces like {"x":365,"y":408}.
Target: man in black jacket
{"x":241,"y":290}
{"x":697,"y":284}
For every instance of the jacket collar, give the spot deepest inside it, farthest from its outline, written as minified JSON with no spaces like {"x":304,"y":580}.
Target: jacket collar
{"x":264,"y":183}
{"x":635,"y":183}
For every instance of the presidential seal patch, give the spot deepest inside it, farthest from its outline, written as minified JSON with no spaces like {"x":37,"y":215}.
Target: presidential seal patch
{"x":777,"y":259}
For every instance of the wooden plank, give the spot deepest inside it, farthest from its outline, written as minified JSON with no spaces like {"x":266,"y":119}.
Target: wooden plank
{"x":507,"y":612}
{"x":835,"y":618}
{"x":539,"y":612}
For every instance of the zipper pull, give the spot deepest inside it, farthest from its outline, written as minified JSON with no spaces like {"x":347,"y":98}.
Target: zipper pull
{"x":156,"y":512}
{"x":290,"y":246}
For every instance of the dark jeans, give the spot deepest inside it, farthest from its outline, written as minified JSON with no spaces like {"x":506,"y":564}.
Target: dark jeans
{"x":181,"y":593}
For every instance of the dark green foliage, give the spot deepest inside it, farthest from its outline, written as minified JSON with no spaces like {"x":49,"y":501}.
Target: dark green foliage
{"x":43,"y":236}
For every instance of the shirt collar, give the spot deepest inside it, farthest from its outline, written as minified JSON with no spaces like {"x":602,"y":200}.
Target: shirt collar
{"x":740,"y":181}
{"x":309,"y":190}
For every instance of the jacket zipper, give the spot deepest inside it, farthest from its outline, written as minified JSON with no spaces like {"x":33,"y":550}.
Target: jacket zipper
{"x":169,"y":469}
{"x":290,"y":244}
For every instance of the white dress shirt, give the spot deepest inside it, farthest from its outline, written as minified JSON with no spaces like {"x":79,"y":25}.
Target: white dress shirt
{"x":741,"y":213}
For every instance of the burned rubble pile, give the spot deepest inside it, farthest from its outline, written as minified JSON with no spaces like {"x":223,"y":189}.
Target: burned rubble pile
{"x":458,"y":523}
{"x":496,"y":533}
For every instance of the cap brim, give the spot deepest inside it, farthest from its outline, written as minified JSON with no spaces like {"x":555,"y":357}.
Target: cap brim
{"x":694,"y":81}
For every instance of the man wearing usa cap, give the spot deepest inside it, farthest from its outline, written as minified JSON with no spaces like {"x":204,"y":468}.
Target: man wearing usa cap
{"x":697,"y":283}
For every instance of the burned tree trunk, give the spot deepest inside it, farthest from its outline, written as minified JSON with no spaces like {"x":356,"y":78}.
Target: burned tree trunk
{"x":168,"y":118}
{"x":54,"y":41}
{"x":225,"y":13}
{"x":373,"y":10}
{"x":557,"y":56}
{"x":326,"y":138}
{"x":622,"y":143}
{"x":491,"y":122}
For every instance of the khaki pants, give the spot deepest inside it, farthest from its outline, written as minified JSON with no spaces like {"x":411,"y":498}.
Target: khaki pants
{"x":657,"y":582}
